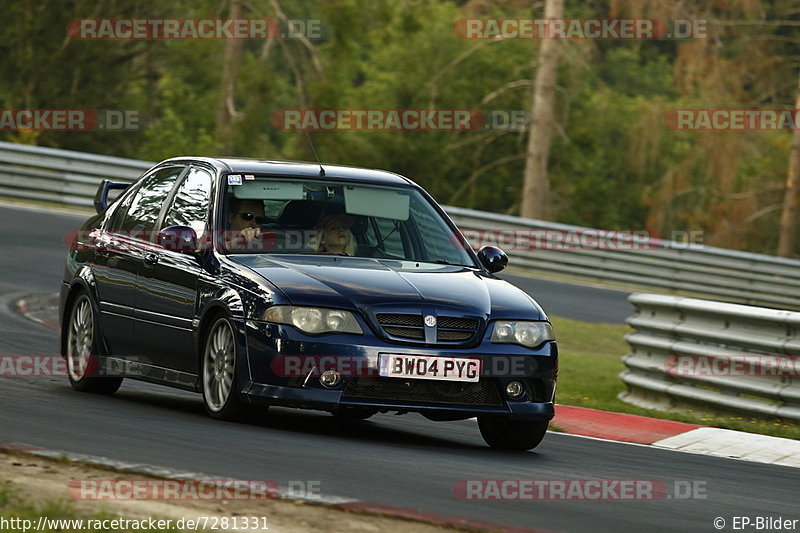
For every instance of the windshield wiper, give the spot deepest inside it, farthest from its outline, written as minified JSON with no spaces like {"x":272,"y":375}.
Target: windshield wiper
{"x":445,"y":262}
{"x":340,"y":254}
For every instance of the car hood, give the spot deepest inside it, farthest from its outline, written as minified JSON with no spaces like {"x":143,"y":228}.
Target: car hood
{"x":374,"y":284}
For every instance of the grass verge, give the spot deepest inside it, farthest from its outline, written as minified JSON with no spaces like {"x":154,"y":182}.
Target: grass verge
{"x":590,"y":363}
{"x":17,"y":513}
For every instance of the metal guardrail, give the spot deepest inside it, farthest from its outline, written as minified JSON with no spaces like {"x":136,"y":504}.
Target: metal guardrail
{"x":667,"y":265}
{"x":60,"y":176}
{"x":688,"y":352}
{"x":71,"y":178}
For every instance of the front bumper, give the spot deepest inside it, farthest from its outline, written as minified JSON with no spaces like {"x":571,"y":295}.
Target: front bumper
{"x":270,"y":346}
{"x":330,"y":400}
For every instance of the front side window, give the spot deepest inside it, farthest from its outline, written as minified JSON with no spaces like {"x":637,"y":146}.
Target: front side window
{"x":284,"y":215}
{"x":120,"y":208}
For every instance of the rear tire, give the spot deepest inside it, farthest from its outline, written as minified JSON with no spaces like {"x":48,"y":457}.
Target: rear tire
{"x":505,"y":434}
{"x":218,"y":371}
{"x":82,"y":353}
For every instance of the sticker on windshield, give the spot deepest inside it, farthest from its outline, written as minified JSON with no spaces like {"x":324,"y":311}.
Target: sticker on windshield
{"x":249,"y":177}
{"x":234,"y":179}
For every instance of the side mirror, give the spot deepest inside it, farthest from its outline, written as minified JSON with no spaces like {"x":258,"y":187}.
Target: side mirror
{"x":100,"y":201}
{"x":493,"y":258}
{"x":182,"y":239}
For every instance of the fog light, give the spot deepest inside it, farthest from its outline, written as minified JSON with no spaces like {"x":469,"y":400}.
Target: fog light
{"x":515,"y":389}
{"x":330,"y":378}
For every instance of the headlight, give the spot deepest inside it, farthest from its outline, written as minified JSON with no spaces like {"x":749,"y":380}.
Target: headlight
{"x":530,"y":334}
{"x":313,"y":320}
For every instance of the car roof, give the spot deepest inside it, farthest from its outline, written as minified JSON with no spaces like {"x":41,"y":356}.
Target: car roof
{"x":305,"y":169}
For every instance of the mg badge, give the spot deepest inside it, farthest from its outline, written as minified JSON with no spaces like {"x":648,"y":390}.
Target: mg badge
{"x":430,"y":320}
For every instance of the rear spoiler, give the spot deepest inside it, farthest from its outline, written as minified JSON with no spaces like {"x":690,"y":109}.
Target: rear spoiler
{"x":101,"y":197}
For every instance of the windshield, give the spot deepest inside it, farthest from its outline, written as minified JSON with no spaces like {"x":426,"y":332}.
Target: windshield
{"x":287,"y":216}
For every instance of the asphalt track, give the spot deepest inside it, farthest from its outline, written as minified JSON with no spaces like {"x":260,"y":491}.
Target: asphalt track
{"x":589,"y":304}
{"x":402,"y":461}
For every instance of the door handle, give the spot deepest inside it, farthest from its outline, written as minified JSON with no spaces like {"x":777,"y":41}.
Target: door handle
{"x":101,"y":245}
{"x":151,"y":258}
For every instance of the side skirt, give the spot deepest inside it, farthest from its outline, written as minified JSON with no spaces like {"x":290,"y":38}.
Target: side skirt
{"x":151,"y":373}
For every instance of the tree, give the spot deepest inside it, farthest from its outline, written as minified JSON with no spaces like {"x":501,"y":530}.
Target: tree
{"x":225,"y":107}
{"x":536,"y":185}
{"x":788,"y":228}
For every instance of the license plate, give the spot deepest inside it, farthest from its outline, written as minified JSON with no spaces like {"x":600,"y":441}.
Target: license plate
{"x":429,"y":367}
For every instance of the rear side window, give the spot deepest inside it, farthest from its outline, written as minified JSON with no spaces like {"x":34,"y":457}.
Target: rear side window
{"x":145,"y":206}
{"x":190,"y":205}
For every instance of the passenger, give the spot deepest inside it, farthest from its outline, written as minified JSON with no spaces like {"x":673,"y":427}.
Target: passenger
{"x":334,"y":235}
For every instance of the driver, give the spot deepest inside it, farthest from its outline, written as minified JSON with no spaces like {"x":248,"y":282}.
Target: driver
{"x":243,"y":222}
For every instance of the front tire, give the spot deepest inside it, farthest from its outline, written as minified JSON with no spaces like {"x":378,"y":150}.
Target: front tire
{"x":219,"y":365}
{"x":81,"y":350}
{"x":505,"y":434}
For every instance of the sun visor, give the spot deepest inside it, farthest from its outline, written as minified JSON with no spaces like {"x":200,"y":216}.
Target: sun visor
{"x":376,"y":202}
{"x":268,"y":190}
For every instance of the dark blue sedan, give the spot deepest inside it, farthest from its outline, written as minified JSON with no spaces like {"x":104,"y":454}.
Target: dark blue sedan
{"x":325,"y":287}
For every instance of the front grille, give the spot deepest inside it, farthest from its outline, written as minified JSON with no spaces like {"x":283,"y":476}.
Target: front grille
{"x":454,"y":322}
{"x":445,"y":335}
{"x":406,"y":333}
{"x":456,"y":329}
{"x":400,"y":319}
{"x":482,"y":392}
{"x":410,"y":326}
{"x":402,"y":325}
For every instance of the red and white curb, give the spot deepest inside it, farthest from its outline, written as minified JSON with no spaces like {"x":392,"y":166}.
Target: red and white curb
{"x":690,"y":438}
{"x":40,"y":308}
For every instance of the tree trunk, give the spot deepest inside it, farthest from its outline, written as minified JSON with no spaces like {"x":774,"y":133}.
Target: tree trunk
{"x":536,"y":186}
{"x":788,"y":229}
{"x":230,"y":64}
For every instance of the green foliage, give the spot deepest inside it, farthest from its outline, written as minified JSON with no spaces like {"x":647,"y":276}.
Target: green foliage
{"x":5,"y":495}
{"x":18,"y":508}
{"x":613,"y":162}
